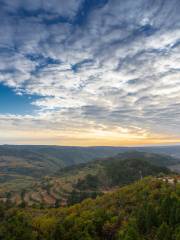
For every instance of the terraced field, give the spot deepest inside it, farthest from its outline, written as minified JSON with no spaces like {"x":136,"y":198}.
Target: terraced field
{"x":73,"y":184}
{"x":48,"y":191}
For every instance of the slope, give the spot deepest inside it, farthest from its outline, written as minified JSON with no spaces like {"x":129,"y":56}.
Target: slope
{"x":75,"y":183}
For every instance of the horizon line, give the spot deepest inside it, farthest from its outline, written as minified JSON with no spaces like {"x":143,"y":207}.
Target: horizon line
{"x":91,"y":146}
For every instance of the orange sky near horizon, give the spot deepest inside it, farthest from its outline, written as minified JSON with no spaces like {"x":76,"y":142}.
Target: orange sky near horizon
{"x":86,"y":138}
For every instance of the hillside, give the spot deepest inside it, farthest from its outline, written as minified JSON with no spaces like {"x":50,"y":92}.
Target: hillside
{"x":75,"y":183}
{"x":31,"y":162}
{"x":37,"y":161}
{"x":173,"y":151}
{"x":154,"y":158}
{"x":21,"y":166}
{"x":146,"y":210}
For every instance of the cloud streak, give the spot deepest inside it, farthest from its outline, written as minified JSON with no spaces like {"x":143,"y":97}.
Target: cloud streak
{"x":114,"y":64}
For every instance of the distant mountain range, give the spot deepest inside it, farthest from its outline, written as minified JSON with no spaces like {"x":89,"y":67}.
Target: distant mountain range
{"x":38,"y":161}
{"x":74,"y":183}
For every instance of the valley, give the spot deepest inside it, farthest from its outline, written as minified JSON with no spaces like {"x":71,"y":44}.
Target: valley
{"x":127,"y":194}
{"x":32,"y":180}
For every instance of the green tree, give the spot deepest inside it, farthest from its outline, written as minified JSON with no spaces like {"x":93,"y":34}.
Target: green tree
{"x":131,"y":234}
{"x":164,"y":232}
{"x":18,"y":227}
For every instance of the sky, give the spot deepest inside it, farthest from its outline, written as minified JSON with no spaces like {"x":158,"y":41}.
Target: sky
{"x":90,"y":72}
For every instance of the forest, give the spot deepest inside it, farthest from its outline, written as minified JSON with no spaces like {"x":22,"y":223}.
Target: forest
{"x":148,"y":209}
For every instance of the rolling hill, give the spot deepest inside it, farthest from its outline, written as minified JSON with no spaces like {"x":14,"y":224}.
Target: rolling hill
{"x":37,"y":161}
{"x":39,"y":174}
{"x":74,"y":183}
{"x":22,"y":165}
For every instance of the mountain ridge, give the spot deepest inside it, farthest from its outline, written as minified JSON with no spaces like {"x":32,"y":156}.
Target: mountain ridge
{"x":74,"y":183}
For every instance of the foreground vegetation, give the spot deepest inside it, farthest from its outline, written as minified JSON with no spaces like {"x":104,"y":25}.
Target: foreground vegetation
{"x":146,"y":210}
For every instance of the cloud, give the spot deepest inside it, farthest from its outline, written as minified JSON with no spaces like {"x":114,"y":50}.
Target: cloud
{"x":118,"y":69}
{"x":38,"y":7}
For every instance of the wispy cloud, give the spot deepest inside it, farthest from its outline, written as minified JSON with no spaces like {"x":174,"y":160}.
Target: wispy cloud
{"x":118,"y":68}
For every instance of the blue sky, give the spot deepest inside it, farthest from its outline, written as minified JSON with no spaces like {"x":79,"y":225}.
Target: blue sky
{"x":16,"y":104}
{"x":90,"y":72}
